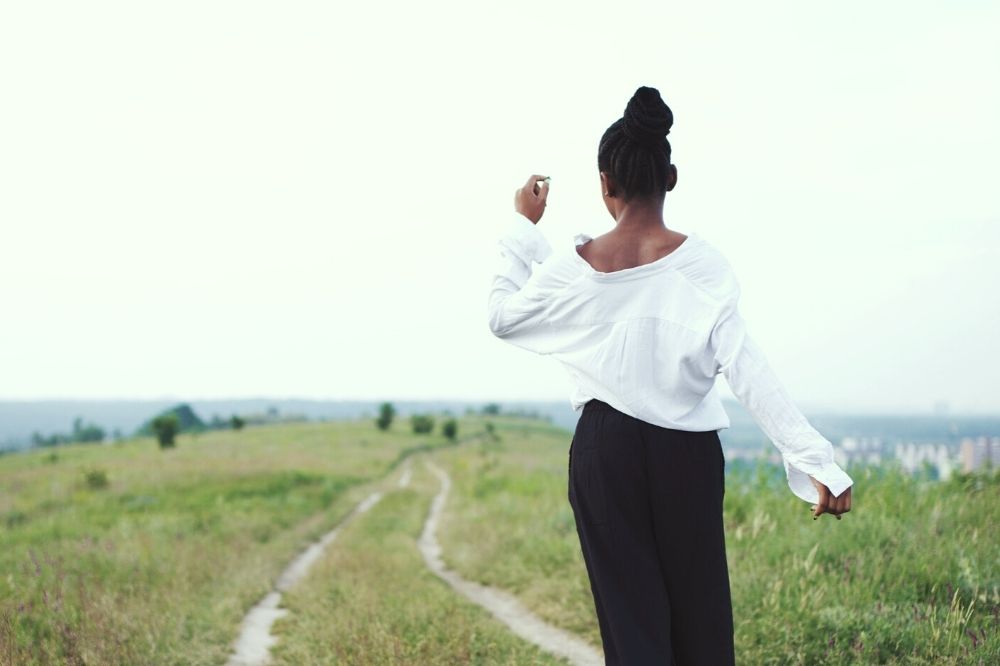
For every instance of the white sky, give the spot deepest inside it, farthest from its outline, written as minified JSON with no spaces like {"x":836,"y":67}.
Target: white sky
{"x":207,"y":199}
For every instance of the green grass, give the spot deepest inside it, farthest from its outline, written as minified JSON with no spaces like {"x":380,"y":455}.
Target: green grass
{"x":126,"y":554}
{"x":909,"y":576}
{"x":160,"y":565}
{"x":372,"y":600}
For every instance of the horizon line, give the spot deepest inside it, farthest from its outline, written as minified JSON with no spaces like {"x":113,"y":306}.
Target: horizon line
{"x":803,"y":405}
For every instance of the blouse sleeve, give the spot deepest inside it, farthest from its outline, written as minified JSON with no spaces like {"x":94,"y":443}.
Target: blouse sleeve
{"x":521,"y":293}
{"x":805,"y":452}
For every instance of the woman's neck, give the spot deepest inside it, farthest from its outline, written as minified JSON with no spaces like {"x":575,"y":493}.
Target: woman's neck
{"x":640,"y":218}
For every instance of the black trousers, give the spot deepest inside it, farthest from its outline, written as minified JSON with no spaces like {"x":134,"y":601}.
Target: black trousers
{"x":648,"y":507}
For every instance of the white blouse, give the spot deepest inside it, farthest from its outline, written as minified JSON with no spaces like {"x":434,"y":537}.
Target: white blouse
{"x":650,"y":340}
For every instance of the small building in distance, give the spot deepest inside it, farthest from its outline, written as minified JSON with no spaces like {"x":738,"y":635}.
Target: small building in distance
{"x":977,"y":452}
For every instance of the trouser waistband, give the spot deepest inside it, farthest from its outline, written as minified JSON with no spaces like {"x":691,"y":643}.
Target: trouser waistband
{"x":595,"y":404}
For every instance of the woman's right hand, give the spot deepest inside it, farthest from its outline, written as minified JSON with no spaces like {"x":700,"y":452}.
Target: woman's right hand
{"x":828,"y":503}
{"x":530,"y":199}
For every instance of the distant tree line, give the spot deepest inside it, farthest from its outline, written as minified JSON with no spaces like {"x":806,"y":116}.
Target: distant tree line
{"x":188,"y":420}
{"x":82,"y":432}
{"x":270,"y":415}
{"x":165,"y":426}
{"x":494,"y":409}
{"x":422,"y":424}
{"x":182,"y":418}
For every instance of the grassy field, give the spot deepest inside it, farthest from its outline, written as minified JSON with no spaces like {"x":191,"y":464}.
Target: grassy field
{"x":160,"y":565}
{"x":910,"y":576}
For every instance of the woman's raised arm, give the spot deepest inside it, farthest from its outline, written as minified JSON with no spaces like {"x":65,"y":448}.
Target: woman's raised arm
{"x":520,"y":293}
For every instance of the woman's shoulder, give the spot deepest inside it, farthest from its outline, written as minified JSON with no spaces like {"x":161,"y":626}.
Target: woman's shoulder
{"x":710,"y":270}
{"x":560,"y":267}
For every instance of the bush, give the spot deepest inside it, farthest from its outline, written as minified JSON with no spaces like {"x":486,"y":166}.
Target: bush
{"x":449,"y":429}
{"x":422,"y":423}
{"x":385,"y":415}
{"x":96,"y":478}
{"x":165,"y":427}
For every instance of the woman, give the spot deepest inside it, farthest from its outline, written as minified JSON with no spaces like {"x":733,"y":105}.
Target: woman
{"x":644,"y":318}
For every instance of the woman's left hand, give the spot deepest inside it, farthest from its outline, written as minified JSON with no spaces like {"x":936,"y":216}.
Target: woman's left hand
{"x":530,"y":199}
{"x":830,"y":504}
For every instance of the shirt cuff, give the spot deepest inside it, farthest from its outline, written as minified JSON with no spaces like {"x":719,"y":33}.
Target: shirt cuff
{"x":530,"y":241}
{"x":829,"y":474}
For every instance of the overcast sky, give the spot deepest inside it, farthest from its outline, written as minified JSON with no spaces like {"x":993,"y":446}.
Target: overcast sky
{"x":207,"y":199}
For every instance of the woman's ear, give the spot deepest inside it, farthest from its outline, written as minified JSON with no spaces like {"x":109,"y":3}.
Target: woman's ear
{"x":607,"y":185}
{"x":671,"y":177}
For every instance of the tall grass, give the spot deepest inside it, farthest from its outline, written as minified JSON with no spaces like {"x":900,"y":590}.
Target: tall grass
{"x":129,"y":554}
{"x":910,"y":575}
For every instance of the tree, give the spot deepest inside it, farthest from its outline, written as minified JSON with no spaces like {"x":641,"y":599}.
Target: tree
{"x":385,"y":415}
{"x":449,"y":429}
{"x":237,"y":422}
{"x":86,"y":432}
{"x":422,"y":423}
{"x":187,"y":420}
{"x":166,"y":426}
{"x":491,"y":408}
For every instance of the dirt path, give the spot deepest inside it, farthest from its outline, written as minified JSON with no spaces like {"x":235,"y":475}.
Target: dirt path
{"x":404,"y":478}
{"x":501,"y":604}
{"x":253,"y":646}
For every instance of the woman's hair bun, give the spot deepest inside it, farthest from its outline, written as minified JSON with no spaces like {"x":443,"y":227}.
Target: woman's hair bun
{"x":647,"y":118}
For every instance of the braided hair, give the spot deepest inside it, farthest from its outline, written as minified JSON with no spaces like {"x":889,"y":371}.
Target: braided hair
{"x":635,"y":151}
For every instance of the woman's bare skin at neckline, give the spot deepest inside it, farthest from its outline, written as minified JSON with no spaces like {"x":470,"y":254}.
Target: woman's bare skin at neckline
{"x":615,"y":251}
{"x":640,"y":235}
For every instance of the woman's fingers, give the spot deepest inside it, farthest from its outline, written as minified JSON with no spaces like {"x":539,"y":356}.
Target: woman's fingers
{"x":824,"y":499}
{"x":532,"y":184}
{"x":543,"y":191}
{"x":828,"y":503}
{"x":844,"y":502}
{"x":530,"y":199}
